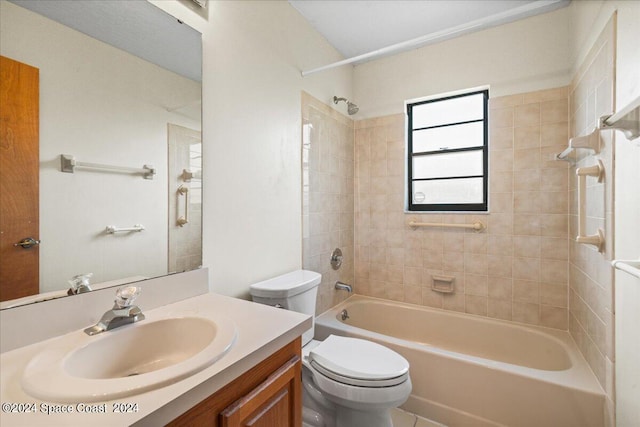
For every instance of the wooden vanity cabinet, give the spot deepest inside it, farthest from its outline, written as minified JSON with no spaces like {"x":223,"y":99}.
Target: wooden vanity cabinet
{"x":268,"y":395}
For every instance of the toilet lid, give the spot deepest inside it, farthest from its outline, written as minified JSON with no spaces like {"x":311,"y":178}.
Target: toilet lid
{"x":359,"y":362}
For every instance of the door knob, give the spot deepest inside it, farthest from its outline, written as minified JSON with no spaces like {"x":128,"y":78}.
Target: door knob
{"x":27,"y":242}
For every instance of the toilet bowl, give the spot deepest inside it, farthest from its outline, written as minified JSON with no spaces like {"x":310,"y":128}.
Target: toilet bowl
{"x":347,"y":382}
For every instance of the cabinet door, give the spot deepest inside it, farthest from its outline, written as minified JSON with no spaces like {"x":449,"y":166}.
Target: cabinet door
{"x":19,"y":177}
{"x":274,"y":403}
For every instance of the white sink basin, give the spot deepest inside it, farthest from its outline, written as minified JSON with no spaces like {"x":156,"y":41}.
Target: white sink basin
{"x":128,"y":360}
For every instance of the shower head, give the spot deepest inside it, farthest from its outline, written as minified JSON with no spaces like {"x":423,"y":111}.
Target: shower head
{"x":351,"y":107}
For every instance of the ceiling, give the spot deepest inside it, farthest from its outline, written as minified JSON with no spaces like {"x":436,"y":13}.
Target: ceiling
{"x":137,"y":27}
{"x":356,"y":27}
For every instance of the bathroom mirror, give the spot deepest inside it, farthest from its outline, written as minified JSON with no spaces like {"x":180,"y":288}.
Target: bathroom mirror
{"x":119,"y":86}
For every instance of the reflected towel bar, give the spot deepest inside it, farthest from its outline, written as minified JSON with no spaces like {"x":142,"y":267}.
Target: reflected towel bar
{"x":68,"y":164}
{"x":476,"y":226}
{"x":183,"y":220}
{"x":110,"y":229}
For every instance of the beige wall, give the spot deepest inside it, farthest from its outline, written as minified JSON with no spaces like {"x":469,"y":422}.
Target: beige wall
{"x":254,"y":52}
{"x":522,"y":56}
{"x":327,"y":194}
{"x":514,"y":270}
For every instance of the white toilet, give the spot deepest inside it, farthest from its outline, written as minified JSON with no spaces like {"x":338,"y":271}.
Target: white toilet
{"x":347,"y":382}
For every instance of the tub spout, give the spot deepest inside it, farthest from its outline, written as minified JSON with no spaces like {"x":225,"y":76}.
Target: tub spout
{"x":343,"y":287}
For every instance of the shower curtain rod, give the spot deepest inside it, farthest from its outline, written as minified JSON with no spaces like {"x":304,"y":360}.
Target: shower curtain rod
{"x":481,"y":23}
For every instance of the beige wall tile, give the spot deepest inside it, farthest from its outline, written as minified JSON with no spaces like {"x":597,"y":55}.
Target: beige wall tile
{"x":554,"y":271}
{"x":499,"y":266}
{"x":497,"y":272}
{"x":526,"y":246}
{"x":556,"y":111}
{"x":527,"y":202}
{"x":432,"y":259}
{"x":501,"y":202}
{"x":454,"y":302}
{"x":526,"y":313}
{"x":501,"y":118}
{"x":475,"y":243}
{"x":526,"y":291}
{"x":554,"y":180}
{"x":452,"y":261}
{"x":528,"y":158}
{"x":527,"y":224}
{"x":501,"y":182}
{"x":500,"y":245}
{"x":501,"y":138}
{"x":475,"y":284}
{"x":554,"y":225}
{"x":501,"y":224}
{"x":413,"y":276}
{"x":555,"y":202}
{"x":453,"y":242}
{"x":548,"y":156}
{"x":554,"y":248}
{"x":413,"y":294}
{"x":433,"y":239}
{"x":500,"y":288}
{"x":500,"y":309}
{"x":545,"y":95}
{"x":554,"y":135}
{"x":526,"y":268}
{"x":589,"y":283}
{"x":554,"y":317}
{"x":505,"y":101}
{"x":431,"y":298}
{"x":412,"y":258}
{"x":501,"y":160}
{"x":554,"y":295}
{"x":526,"y":115}
{"x":476,"y":305}
{"x":527,"y":137}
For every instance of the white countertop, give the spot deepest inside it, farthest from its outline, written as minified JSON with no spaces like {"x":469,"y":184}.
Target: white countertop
{"x":261,"y":331}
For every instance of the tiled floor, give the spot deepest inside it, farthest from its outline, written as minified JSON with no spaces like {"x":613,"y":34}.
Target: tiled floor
{"x":401,"y":418}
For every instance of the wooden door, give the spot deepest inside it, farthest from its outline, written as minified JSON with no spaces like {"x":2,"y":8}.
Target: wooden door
{"x":19,"y":164}
{"x":275,"y":402}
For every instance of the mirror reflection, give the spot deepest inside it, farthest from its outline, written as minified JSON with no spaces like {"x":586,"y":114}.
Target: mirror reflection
{"x":101,"y":148}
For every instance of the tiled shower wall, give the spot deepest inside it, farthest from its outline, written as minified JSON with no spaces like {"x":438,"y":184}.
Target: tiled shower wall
{"x":591,"y":318}
{"x":327,"y":205}
{"x":517,"y":268}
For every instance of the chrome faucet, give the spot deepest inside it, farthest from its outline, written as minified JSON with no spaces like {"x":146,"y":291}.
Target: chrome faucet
{"x":343,"y":287}
{"x":122,"y":313}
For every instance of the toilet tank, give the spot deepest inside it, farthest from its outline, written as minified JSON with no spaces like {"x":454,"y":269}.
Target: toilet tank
{"x":294,"y":291}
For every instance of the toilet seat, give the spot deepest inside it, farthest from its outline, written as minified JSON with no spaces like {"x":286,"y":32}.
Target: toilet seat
{"x":358,"y":362}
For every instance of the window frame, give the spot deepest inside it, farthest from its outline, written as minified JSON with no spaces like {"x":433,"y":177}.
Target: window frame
{"x":448,"y":207}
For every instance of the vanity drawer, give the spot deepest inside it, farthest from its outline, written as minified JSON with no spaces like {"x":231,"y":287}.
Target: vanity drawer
{"x":269,"y":392}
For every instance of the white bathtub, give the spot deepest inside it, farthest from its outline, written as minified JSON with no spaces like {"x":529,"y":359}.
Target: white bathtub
{"x":473,"y":371}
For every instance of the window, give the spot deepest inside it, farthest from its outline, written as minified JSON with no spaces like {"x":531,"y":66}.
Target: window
{"x":447,"y":153}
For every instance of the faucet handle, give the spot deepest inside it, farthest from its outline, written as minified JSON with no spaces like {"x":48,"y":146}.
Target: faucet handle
{"x":126,"y":296}
{"x":79,"y":284}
